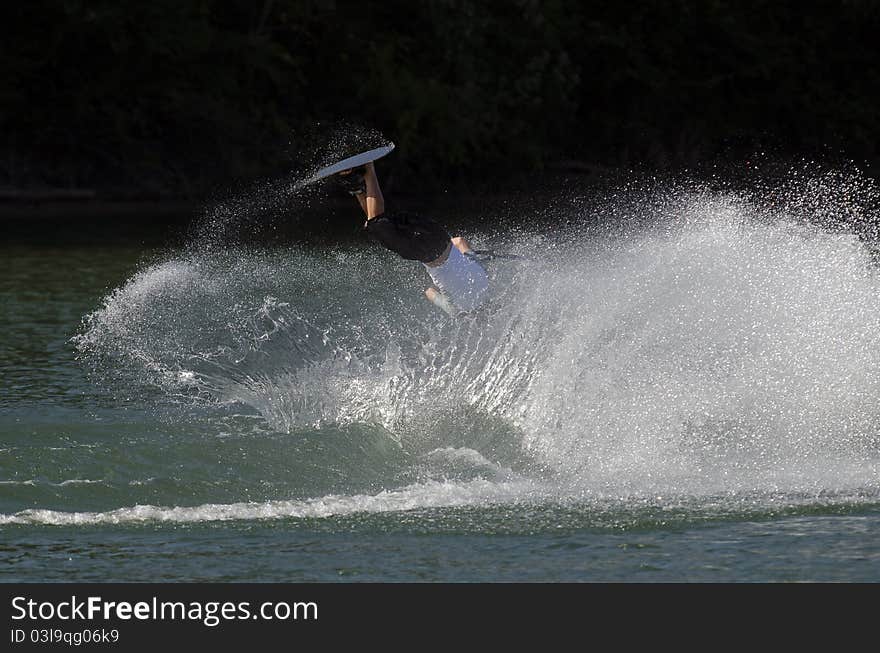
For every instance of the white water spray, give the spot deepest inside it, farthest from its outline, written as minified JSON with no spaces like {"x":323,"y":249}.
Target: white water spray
{"x":725,"y":346}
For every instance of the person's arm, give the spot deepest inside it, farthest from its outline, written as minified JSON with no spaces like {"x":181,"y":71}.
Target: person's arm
{"x":362,"y":200}
{"x":372,"y":202}
{"x":370,"y":197}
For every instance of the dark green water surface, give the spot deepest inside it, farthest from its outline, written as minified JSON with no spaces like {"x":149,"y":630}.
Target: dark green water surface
{"x":110,"y":473}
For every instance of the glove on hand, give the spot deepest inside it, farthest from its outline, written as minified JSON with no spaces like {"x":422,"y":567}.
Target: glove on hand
{"x":353,"y":182}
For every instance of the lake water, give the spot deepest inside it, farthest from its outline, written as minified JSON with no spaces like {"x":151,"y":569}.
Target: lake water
{"x":691,"y":398}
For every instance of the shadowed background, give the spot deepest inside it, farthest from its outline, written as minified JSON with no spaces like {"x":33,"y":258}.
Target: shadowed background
{"x":173,"y":99}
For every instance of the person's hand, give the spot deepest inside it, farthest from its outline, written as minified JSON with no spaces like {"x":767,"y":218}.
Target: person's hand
{"x":352,"y":180}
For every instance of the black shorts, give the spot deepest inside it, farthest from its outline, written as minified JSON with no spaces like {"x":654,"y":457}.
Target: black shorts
{"x":409,"y":235}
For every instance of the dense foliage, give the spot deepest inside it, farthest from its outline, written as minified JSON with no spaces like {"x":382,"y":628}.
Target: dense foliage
{"x":171,"y":97}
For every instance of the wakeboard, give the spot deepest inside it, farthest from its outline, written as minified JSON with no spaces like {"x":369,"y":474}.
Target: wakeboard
{"x":352,"y":162}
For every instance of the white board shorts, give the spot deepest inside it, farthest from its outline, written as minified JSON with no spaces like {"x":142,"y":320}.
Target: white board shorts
{"x":462,"y":280}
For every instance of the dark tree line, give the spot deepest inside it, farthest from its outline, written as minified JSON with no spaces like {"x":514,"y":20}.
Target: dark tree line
{"x":171,"y":97}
